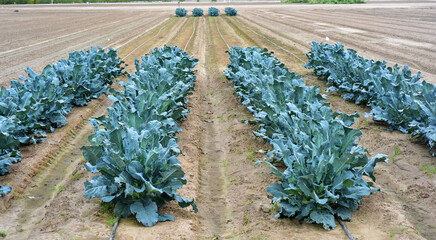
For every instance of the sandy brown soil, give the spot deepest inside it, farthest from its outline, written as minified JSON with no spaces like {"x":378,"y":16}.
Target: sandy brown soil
{"x":404,"y":36}
{"x":220,"y":150}
{"x":32,"y":38}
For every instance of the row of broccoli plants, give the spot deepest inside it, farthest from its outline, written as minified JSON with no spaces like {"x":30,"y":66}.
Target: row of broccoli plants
{"x":39,"y":103}
{"x":395,"y":95}
{"x":323,"y":164}
{"x":134,"y":148}
{"x":198,"y":12}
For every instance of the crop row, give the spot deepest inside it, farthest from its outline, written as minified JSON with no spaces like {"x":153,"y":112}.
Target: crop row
{"x":323,"y":163}
{"x":134,"y":148}
{"x":395,"y":95}
{"x":39,"y":103}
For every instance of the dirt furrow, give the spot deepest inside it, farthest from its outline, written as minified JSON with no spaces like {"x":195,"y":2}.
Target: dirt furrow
{"x":128,"y":45}
{"x":212,"y":188}
{"x":166,"y":34}
{"x":181,"y":34}
{"x":290,"y":37}
{"x":133,"y":36}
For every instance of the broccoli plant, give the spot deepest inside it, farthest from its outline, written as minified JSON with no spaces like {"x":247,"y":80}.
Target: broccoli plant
{"x":134,"y":148}
{"x":231,"y":11}
{"x":197,"y":12}
{"x":213,"y":12}
{"x":180,"y":12}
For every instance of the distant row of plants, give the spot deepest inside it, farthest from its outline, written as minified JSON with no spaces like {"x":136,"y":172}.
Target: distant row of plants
{"x":198,"y":12}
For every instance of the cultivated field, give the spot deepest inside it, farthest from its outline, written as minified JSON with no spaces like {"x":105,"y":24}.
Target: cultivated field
{"x":47,"y":201}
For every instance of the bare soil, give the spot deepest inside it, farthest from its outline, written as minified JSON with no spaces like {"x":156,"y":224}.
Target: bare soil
{"x":220,"y":150}
{"x":32,"y":38}
{"x":403,"y":36}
